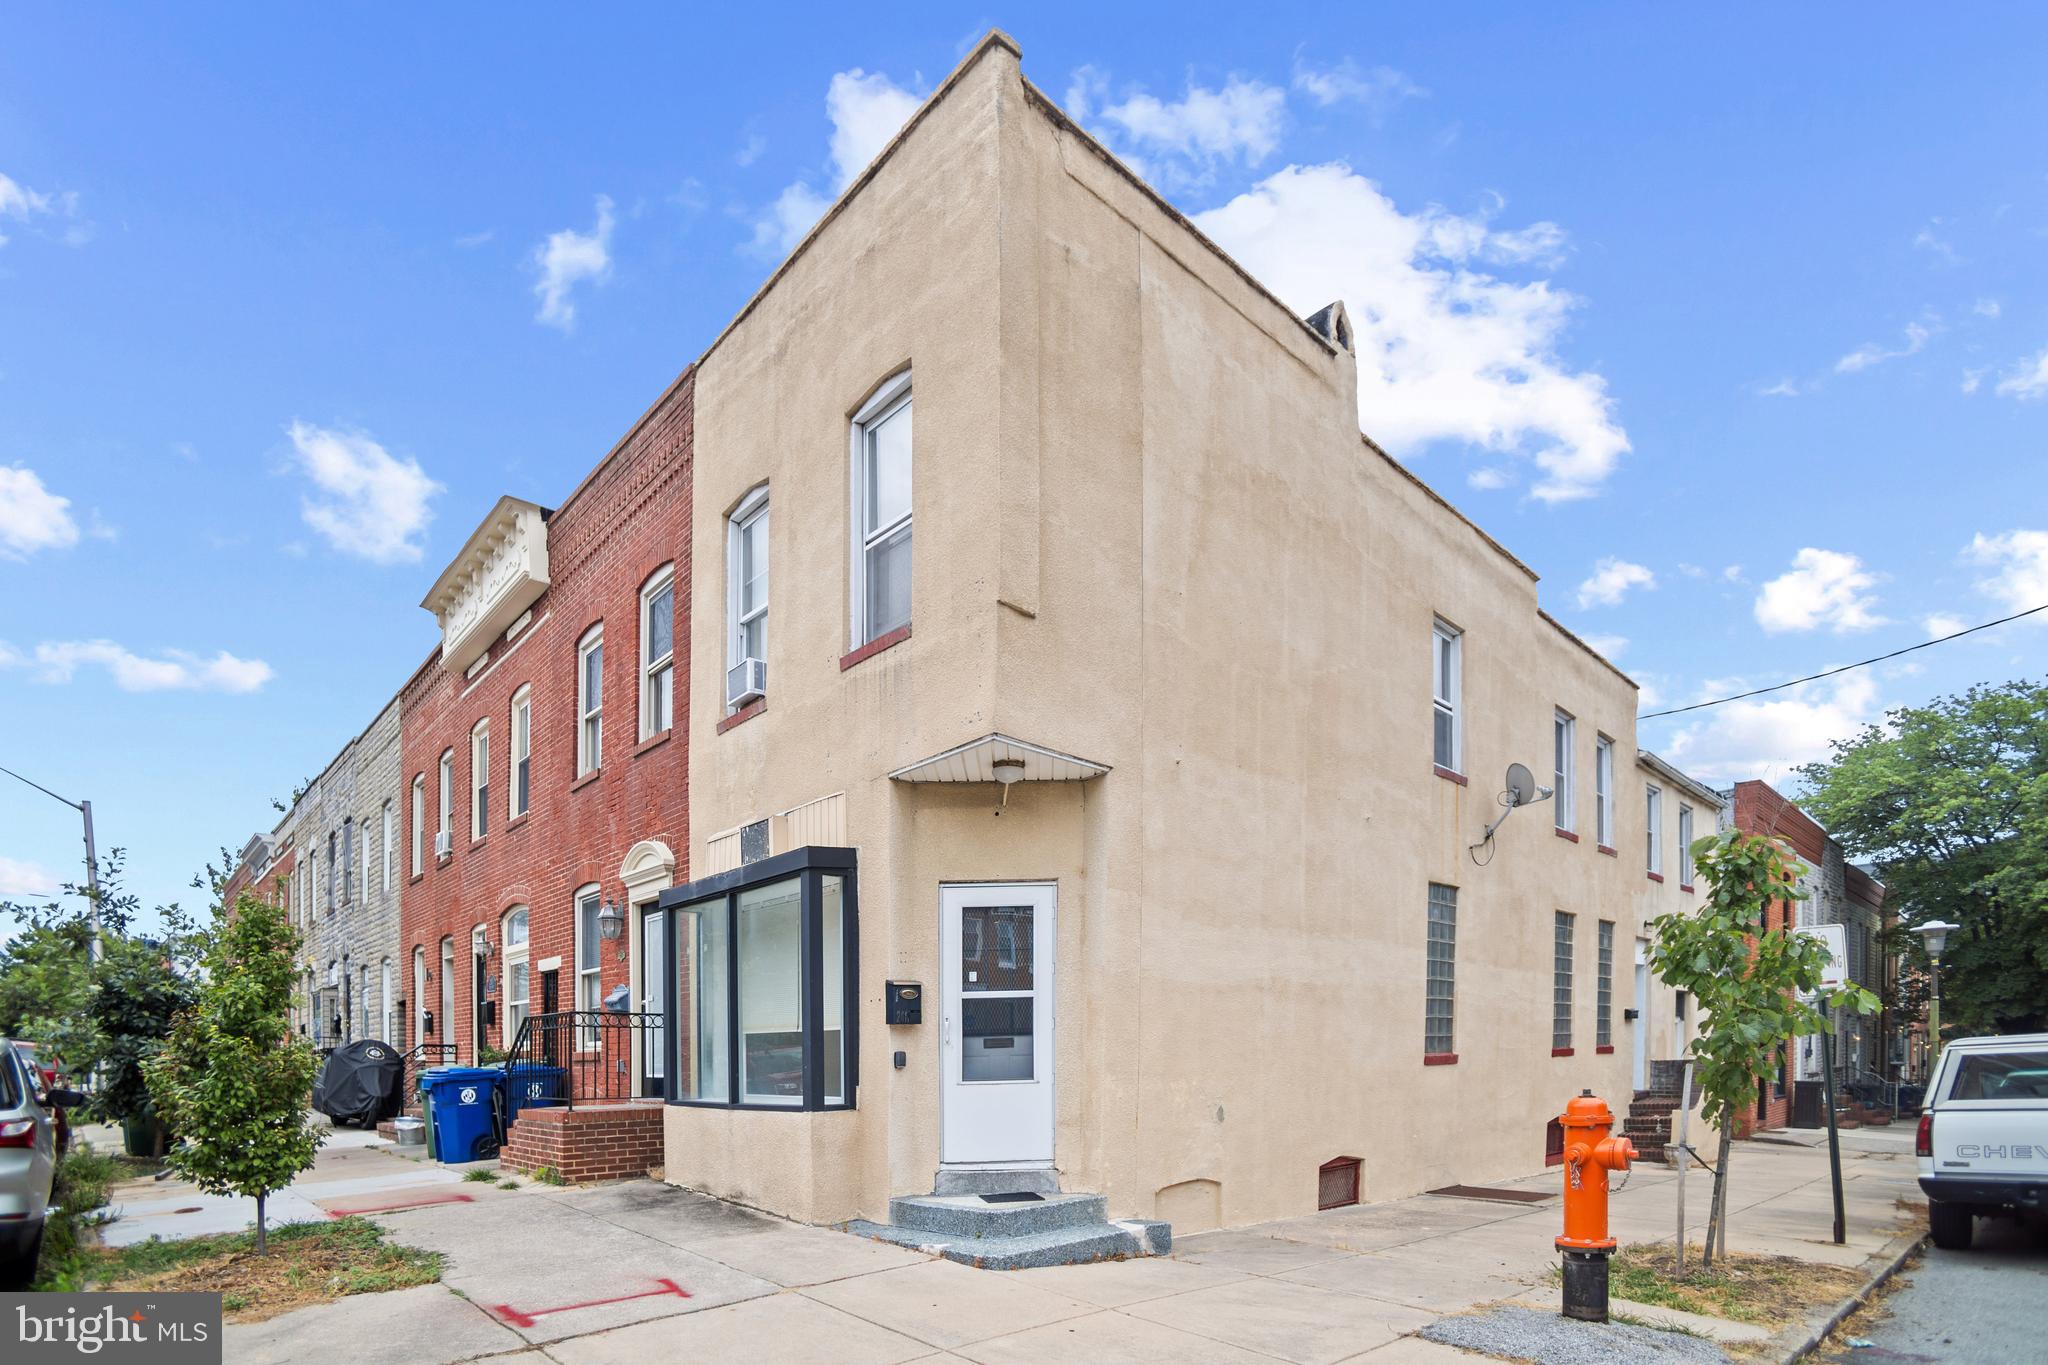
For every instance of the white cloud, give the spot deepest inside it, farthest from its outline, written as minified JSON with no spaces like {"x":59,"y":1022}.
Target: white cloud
{"x":1612,"y":578}
{"x":1940,"y":624}
{"x":1870,"y":353}
{"x":368,"y":502}
{"x":567,"y":259}
{"x":20,"y":878}
{"x":471,"y":240}
{"x":33,"y":207}
{"x":2018,"y":561}
{"x":867,"y":110}
{"x":1822,"y":588}
{"x":750,"y":150}
{"x":1986,"y":308}
{"x":2027,"y":380}
{"x":1784,"y":388}
{"x":1489,"y":477}
{"x":1926,"y":240}
{"x":32,"y":518}
{"x":1607,"y":646}
{"x":1378,"y":89}
{"x":174,"y":670}
{"x":1732,"y":574}
{"x":1972,"y":380}
{"x":1446,"y":351}
{"x":1183,"y":141}
{"x":1767,"y":737}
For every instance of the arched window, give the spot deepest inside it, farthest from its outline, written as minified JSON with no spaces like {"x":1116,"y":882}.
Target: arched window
{"x":520,"y":776}
{"x":479,"y":974}
{"x":444,"y":1026}
{"x":658,"y":652}
{"x":419,"y":995}
{"x":480,"y":779}
{"x":590,"y":700}
{"x":384,"y":1001}
{"x":419,"y":824}
{"x":515,"y":979}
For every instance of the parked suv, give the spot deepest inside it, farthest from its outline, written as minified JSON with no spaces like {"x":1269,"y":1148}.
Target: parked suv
{"x":28,"y":1158}
{"x":1983,"y":1140}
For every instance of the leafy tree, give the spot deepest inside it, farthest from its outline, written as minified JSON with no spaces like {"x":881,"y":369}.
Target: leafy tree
{"x":232,"y":1080}
{"x":1755,"y":989}
{"x":1951,"y":802}
{"x":141,"y":993}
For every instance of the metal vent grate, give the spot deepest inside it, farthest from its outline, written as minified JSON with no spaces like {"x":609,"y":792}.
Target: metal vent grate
{"x":1337,"y":1183}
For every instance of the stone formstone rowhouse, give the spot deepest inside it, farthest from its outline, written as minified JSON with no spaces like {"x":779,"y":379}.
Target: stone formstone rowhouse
{"x":518,"y":607}
{"x":335,"y":850}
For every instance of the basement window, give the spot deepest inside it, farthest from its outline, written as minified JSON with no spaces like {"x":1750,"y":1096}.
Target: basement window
{"x":1337,"y":1183}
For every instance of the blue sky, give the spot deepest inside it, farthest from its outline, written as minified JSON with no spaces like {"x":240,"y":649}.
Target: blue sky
{"x":1732,"y":324}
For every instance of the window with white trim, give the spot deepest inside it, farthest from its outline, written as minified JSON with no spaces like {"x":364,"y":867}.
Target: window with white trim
{"x":1439,"y":1037}
{"x":590,"y":701}
{"x":1564,"y":740}
{"x":881,"y":512}
{"x":746,"y":580}
{"x":480,"y":780}
{"x":658,"y":652}
{"x":419,"y":823}
{"x":1603,"y":989}
{"x":520,"y":783}
{"x":447,"y":798}
{"x":1446,"y":664}
{"x":517,"y":987}
{"x":363,"y":859}
{"x":589,"y":967}
{"x":333,"y":862}
{"x":1603,"y":791}
{"x":390,"y":832}
{"x":1653,"y":825}
{"x":1684,"y":844}
{"x":1561,"y":983}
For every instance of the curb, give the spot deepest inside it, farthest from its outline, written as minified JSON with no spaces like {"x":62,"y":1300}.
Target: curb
{"x":1894,"y":1255}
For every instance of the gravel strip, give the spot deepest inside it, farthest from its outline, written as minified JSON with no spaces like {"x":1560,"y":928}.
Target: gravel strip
{"x":1552,"y":1339}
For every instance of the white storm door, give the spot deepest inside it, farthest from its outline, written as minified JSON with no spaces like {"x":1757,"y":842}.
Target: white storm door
{"x":653,"y":961}
{"x":996,"y":946}
{"x":1642,"y":1031}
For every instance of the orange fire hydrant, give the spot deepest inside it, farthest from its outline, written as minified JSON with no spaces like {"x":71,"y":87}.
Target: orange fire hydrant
{"x":1590,"y":1152}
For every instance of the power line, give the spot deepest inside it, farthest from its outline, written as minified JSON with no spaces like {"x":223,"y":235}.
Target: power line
{"x":1863,"y":663}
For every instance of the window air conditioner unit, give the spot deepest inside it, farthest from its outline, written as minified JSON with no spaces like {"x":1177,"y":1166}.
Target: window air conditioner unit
{"x":745,"y":681}
{"x":444,"y":843}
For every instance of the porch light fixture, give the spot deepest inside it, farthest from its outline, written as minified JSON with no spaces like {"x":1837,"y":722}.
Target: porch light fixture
{"x":1008,"y":771}
{"x":611,"y":921}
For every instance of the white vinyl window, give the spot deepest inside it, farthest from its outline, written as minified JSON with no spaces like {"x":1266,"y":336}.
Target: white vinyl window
{"x":589,"y":993}
{"x":881,"y":512}
{"x":590,"y":701}
{"x":390,"y":833}
{"x":363,"y":857}
{"x":419,"y":823}
{"x":1603,"y":791}
{"x":517,"y":990}
{"x":1565,"y":731}
{"x":447,"y":794}
{"x":1653,"y":825}
{"x":657,"y":652}
{"x":384,"y":1001}
{"x":1684,"y":845}
{"x":1447,"y":664}
{"x":746,"y":578}
{"x":520,"y":777}
{"x":419,"y":994}
{"x":480,"y":780}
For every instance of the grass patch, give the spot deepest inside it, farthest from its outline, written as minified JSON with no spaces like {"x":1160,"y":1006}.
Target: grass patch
{"x":480,"y":1176}
{"x":307,"y":1263}
{"x":548,"y":1175}
{"x":508,"y":1184}
{"x":81,"y":1184}
{"x":1769,"y":1291}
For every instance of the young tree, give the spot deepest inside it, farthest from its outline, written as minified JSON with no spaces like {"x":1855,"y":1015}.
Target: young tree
{"x":1754,"y":989}
{"x":232,"y":1081}
{"x":1951,"y":801}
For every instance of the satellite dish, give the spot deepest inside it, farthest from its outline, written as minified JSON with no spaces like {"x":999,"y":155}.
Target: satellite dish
{"x":1521,"y":785}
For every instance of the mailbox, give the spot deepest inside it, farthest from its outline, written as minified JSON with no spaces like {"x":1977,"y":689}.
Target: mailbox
{"x":904,"y":1003}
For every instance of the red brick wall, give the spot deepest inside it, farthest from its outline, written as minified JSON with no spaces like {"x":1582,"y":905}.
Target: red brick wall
{"x":614,"y":1142}
{"x":1762,"y":809}
{"x":626,"y":520}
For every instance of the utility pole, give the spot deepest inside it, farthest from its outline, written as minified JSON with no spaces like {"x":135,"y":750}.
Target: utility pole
{"x":92,"y":862}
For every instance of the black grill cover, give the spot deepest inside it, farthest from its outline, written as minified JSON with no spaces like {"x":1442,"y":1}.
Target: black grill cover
{"x":360,"y":1083}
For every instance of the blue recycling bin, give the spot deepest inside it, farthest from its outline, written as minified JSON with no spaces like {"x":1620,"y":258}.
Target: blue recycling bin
{"x":460,"y":1101}
{"x":532,"y":1083}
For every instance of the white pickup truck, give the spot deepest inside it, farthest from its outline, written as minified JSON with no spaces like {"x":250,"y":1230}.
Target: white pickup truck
{"x":1983,"y":1140}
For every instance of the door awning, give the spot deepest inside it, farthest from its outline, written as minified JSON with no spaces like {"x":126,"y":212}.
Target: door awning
{"x":975,"y":761}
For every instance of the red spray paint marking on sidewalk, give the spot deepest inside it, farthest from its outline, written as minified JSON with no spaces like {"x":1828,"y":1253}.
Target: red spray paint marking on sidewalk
{"x":395,"y":1206}
{"x":527,"y":1319}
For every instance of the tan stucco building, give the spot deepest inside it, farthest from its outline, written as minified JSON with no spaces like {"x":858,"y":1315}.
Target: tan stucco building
{"x":1152,"y":718}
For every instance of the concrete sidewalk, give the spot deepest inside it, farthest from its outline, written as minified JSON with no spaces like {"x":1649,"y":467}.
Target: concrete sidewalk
{"x":640,"y":1270}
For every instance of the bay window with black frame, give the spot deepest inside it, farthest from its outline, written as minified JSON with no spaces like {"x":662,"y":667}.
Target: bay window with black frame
{"x":761,"y":981}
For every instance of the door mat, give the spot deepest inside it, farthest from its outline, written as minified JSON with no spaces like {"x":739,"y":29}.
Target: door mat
{"x":1019,"y":1197}
{"x":1495,"y":1195}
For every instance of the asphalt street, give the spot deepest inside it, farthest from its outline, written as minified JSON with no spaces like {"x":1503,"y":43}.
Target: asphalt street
{"x":1988,"y":1304}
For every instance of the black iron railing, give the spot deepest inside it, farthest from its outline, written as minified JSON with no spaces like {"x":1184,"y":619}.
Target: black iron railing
{"x":418,"y":1059}
{"x":569,"y":1057}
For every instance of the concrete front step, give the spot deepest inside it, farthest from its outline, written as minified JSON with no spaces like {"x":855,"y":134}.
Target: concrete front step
{"x":1072,"y":1244}
{"x":973,"y":1216}
{"x":987,"y":1180}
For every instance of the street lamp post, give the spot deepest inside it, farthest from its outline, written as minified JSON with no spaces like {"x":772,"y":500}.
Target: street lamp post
{"x":1934,"y":934}
{"x":92,"y":862}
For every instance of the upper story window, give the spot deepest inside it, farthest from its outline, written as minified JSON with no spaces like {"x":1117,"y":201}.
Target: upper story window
{"x":390,"y":820}
{"x":1603,"y":791}
{"x":521,"y":783}
{"x":480,"y":780}
{"x":419,"y":822}
{"x":331,"y":865}
{"x":1685,"y":845}
{"x":1446,"y":667}
{"x":363,"y":857}
{"x":1564,"y":739}
{"x":348,"y":858}
{"x":590,"y":701}
{"x":746,"y":607}
{"x":444,"y":840}
{"x":658,"y":652}
{"x":881,"y":506}
{"x":1653,"y":856}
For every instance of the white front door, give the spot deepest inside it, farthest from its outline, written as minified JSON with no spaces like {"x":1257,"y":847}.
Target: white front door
{"x":996,"y":950}
{"x":1642,"y":1039}
{"x":653,"y":958}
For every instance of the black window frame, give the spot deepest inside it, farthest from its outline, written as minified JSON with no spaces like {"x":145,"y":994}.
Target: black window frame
{"x":810,"y":865}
